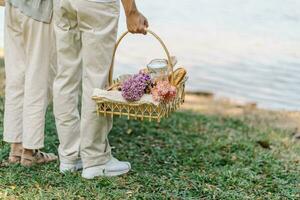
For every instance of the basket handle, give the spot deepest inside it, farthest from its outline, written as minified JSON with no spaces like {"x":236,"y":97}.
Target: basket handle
{"x":110,"y":80}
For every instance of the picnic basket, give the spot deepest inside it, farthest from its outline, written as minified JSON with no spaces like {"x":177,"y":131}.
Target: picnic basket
{"x":137,"y":110}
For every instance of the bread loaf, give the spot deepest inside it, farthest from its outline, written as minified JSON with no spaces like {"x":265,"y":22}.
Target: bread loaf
{"x":179,"y":75}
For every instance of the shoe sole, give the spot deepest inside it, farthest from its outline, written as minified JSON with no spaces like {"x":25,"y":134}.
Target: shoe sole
{"x":106,"y":174}
{"x":32,"y":164}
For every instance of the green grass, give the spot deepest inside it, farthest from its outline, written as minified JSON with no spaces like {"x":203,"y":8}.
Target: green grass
{"x":1,"y":62}
{"x":188,"y":156}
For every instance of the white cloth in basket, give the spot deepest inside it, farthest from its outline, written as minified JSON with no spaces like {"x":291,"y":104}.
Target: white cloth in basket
{"x":117,"y":97}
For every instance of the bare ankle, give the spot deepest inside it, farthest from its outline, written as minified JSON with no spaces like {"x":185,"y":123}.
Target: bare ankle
{"x":16,"y":147}
{"x":15,"y":153}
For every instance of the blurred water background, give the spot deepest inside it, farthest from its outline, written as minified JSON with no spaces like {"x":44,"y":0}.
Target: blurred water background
{"x":246,"y":50}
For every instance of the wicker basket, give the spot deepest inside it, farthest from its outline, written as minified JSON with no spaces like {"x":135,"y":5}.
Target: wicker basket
{"x":140,"y":111}
{"x":2,"y":2}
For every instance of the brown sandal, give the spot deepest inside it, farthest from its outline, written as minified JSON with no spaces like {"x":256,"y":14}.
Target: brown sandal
{"x":15,"y":154}
{"x":37,"y":157}
{"x":14,"y":158}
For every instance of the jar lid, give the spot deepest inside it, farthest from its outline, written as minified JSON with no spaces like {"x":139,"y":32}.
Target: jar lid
{"x":158,"y":63}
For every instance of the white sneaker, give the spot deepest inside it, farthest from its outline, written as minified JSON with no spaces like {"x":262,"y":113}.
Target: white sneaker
{"x":64,"y":168}
{"x":114,"y":167}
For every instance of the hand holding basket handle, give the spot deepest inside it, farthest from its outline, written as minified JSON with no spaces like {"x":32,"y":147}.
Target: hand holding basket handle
{"x":136,"y":21}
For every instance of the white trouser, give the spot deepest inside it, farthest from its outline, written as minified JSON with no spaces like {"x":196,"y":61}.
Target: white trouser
{"x":86,"y":34}
{"x":29,"y":61}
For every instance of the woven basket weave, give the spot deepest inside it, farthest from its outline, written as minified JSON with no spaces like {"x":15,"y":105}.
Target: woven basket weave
{"x":140,"y":111}
{"x":2,"y":2}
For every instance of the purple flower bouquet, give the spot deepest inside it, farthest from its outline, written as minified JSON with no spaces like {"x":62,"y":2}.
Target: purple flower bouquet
{"x":135,"y":87}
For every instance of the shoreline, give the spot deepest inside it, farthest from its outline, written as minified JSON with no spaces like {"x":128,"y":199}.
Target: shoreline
{"x":208,"y":104}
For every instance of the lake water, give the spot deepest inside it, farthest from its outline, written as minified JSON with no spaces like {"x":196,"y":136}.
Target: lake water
{"x":247,"y":50}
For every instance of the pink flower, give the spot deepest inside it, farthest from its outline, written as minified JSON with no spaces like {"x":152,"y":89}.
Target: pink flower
{"x":163,"y":92}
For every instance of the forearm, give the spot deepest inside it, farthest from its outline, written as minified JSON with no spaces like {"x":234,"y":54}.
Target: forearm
{"x":136,"y":22}
{"x":129,"y":7}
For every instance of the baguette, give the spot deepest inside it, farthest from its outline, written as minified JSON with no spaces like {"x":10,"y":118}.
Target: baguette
{"x":179,"y":75}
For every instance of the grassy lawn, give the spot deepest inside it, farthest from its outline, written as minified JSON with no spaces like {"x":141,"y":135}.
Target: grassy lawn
{"x":188,"y":156}
{"x":1,"y":62}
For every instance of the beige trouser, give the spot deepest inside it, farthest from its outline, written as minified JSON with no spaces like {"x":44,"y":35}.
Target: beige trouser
{"x":29,"y":58}
{"x":86,"y":34}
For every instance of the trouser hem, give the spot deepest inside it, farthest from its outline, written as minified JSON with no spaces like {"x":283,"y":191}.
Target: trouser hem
{"x":96,"y":161}
{"x":9,"y":140}
{"x":69,"y":160}
{"x":32,"y":147}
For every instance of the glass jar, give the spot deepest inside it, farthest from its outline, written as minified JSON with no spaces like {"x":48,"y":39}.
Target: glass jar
{"x":158,"y":69}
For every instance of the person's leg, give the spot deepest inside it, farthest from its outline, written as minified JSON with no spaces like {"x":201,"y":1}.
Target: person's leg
{"x":15,"y":78}
{"x":67,"y":82}
{"x":98,"y":23}
{"x":38,"y":44}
